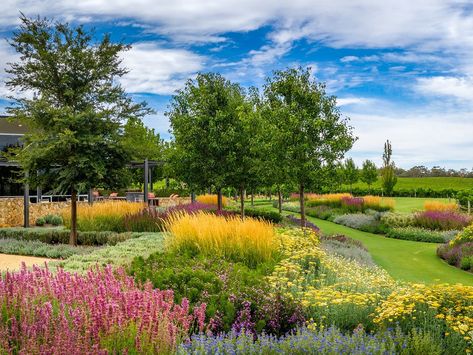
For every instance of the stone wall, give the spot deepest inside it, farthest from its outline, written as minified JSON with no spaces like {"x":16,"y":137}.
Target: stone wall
{"x":11,"y":211}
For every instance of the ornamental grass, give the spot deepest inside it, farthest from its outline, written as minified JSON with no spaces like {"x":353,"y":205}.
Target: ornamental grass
{"x":249,"y":241}
{"x":103,"y":216}
{"x":378,"y":203}
{"x":103,"y":312}
{"x":211,"y":200}
{"x":440,"y":206}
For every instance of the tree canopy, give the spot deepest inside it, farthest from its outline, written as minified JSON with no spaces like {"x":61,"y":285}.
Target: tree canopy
{"x":73,"y":106}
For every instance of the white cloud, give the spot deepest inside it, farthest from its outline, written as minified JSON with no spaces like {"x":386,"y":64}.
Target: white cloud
{"x":349,"y":58}
{"x":158,"y":70}
{"x":457,"y":87}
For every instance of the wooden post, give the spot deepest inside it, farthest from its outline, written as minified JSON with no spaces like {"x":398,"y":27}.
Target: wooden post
{"x":26,"y":203}
{"x":90,"y":196}
{"x":150,"y":179}
{"x":146,"y":170}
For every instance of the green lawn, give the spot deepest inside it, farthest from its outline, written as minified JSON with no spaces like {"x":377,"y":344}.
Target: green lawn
{"x":410,"y":204}
{"x":434,"y":183}
{"x":402,"y":259}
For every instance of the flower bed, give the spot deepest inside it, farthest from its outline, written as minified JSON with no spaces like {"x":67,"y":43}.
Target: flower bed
{"x":101,"y":312}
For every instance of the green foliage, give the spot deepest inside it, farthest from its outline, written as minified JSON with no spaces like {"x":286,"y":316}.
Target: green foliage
{"x":465,"y":236}
{"x":392,"y":219}
{"x":120,"y":254}
{"x":76,"y":113}
{"x":53,"y":219}
{"x":420,"y":234}
{"x":206,"y":122}
{"x":40,"y":222}
{"x":350,"y":172}
{"x":37,"y":248}
{"x":306,"y":125}
{"x":369,"y":173}
{"x":224,"y":286}
{"x":271,"y":216}
{"x":61,"y":236}
{"x":388,"y":174}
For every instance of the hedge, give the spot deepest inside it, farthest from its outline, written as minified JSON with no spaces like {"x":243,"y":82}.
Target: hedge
{"x":271,"y":216}
{"x":61,"y":236}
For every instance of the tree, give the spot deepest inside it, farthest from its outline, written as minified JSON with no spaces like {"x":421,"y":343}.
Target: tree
{"x":369,"y":173}
{"x":76,"y":112}
{"x":308,"y":127}
{"x":205,"y":122}
{"x":350,"y":172}
{"x":388,"y":176}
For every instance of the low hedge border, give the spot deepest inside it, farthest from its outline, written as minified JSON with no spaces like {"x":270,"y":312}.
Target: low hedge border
{"x":270,"y":216}
{"x":420,"y":235}
{"x":61,"y":236}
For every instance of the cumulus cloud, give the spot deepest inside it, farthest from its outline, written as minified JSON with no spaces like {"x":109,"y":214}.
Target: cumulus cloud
{"x":158,"y":70}
{"x":457,"y":87}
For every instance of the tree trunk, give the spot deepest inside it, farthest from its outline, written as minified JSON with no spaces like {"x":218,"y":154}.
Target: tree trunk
{"x":242,"y":202}
{"x":270,"y":195}
{"x":301,"y":201}
{"x":73,"y":236}
{"x":192,"y":197}
{"x":219,"y":199}
{"x":279,"y":199}
{"x":252,"y":198}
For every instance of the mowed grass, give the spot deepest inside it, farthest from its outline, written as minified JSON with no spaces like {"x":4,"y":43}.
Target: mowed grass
{"x":434,"y":183}
{"x":403,"y":259}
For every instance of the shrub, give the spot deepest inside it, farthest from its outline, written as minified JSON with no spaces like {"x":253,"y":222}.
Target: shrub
{"x":37,"y":248}
{"x":270,"y":216}
{"x":228,"y":289}
{"x":40,"y":222}
{"x":321,"y":212}
{"x":118,"y":255}
{"x":53,"y":219}
{"x":359,"y":221}
{"x":103,"y":216}
{"x":102,"y":312}
{"x":465,"y":236}
{"x":440,"y":206}
{"x":250,"y":241}
{"x":346,"y":247}
{"x":61,"y":236}
{"x":420,"y":234}
{"x":308,"y":224}
{"x":441,"y":220}
{"x":291,"y":207}
{"x":211,"y":200}
{"x":333,"y":200}
{"x":392,"y":219}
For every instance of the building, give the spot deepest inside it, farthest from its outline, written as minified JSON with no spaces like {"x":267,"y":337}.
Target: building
{"x":10,"y":136}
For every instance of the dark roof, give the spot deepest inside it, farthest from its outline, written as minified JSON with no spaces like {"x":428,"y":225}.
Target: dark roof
{"x":9,"y":127}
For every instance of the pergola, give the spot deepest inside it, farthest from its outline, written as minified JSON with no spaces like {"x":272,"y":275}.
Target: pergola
{"x":146,"y":165}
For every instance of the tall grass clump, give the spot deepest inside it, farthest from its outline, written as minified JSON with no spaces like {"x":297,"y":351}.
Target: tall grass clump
{"x":103,"y":216}
{"x":378,"y":203}
{"x":211,"y":200}
{"x":440,"y":206}
{"x":249,"y":241}
{"x":333,"y":200}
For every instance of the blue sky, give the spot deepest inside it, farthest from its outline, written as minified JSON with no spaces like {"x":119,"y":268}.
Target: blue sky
{"x":402,"y":70}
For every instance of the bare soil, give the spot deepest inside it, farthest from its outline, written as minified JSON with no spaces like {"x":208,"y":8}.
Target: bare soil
{"x":13,"y":262}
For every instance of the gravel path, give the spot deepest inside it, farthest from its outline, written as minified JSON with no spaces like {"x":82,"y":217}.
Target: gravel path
{"x":13,"y":262}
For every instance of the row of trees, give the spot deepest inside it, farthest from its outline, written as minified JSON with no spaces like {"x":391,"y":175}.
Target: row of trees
{"x":349,"y":174}
{"x":84,"y":129}
{"x":290,"y":133}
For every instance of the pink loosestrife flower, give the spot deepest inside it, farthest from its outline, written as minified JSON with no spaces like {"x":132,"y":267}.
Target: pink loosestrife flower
{"x":73,"y":314}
